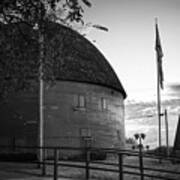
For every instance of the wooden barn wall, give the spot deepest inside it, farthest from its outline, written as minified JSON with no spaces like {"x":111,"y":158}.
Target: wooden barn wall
{"x":18,"y":116}
{"x":64,"y":121}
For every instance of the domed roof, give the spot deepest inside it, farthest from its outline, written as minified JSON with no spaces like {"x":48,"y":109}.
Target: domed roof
{"x":74,"y":57}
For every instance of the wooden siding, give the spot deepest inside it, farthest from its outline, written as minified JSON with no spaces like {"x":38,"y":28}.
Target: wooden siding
{"x":63,"y":119}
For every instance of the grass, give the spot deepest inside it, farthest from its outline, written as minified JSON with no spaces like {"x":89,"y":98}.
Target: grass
{"x":79,"y":173}
{"x":106,"y":175}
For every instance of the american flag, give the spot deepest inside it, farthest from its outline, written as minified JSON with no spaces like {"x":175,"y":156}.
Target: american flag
{"x":159,"y":52}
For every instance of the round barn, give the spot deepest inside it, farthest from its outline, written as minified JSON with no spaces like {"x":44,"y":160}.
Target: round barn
{"x":83,"y":107}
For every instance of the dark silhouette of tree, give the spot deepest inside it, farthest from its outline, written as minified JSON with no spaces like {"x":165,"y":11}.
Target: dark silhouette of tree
{"x":24,"y":30}
{"x":34,"y":17}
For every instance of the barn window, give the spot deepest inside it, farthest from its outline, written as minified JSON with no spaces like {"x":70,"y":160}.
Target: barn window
{"x":104,"y":104}
{"x":118,"y":135}
{"x":79,"y":101}
{"x":85,"y":132}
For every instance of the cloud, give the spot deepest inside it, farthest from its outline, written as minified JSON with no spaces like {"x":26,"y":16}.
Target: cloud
{"x":174,"y":87}
{"x":172,"y":91}
{"x":141,"y":116}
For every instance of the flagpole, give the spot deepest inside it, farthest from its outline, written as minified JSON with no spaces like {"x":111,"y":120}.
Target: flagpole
{"x":158,"y":105}
{"x":159,"y":79}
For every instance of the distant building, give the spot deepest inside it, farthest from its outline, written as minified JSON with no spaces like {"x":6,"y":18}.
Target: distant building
{"x":86,"y":102}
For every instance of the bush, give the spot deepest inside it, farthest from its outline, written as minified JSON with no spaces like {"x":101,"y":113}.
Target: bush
{"x":18,"y":157}
{"x":98,"y":155}
{"x":161,"y":151}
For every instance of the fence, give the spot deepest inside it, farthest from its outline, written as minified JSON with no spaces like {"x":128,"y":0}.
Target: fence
{"x":89,"y":164}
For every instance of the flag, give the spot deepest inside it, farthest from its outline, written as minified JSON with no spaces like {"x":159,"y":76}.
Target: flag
{"x":159,"y":52}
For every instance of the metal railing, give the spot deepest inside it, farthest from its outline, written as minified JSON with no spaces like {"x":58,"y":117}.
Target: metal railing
{"x":88,"y":164}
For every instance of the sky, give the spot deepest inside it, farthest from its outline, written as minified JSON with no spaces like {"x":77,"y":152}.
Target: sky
{"x":129,"y":46}
{"x":129,"y":43}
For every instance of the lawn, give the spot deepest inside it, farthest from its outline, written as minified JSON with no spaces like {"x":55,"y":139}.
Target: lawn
{"x":79,"y":173}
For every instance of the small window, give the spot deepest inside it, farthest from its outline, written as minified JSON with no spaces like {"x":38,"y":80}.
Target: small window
{"x":85,"y":132}
{"x":79,"y":101}
{"x":118,"y":135}
{"x":103,"y":104}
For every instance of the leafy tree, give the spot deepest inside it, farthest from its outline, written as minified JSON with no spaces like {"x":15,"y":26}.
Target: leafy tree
{"x":131,"y":141}
{"x":27,"y":23}
{"x":31,"y":16}
{"x":19,"y":16}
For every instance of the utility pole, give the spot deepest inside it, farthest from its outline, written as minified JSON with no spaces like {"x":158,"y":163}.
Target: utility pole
{"x":167,"y":132}
{"x":41,"y":90}
{"x":41,"y":44}
{"x":41,"y":95}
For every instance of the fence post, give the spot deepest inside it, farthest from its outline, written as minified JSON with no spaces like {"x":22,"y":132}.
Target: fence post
{"x":55,"y":163}
{"x":87,"y":163}
{"x":44,"y":162}
{"x":39,"y":165}
{"x":120,"y":160}
{"x":141,"y":162}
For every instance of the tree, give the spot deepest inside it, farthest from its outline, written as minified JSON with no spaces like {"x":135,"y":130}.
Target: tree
{"x":36,"y":14}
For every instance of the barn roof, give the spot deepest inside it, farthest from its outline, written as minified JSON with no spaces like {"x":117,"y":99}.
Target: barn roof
{"x":75,"y":58}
